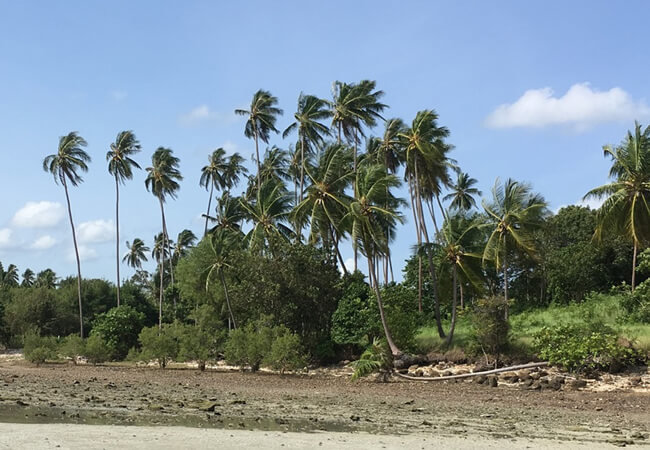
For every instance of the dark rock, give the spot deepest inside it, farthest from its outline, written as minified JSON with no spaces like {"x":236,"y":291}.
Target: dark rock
{"x":492,"y":382}
{"x":635,"y":381}
{"x":576,"y":384}
{"x":355,"y":418}
{"x":480,"y":379}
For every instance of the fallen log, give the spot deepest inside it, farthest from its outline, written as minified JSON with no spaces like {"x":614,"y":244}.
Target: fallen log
{"x":474,"y":374}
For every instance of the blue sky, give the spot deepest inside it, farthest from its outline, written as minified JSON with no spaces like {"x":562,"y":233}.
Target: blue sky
{"x":529,"y":90}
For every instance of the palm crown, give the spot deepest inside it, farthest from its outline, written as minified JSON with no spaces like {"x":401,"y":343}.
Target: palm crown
{"x":163,"y":174}
{"x":69,"y":160}
{"x":119,"y":157}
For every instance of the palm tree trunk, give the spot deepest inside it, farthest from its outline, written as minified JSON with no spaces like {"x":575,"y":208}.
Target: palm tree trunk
{"x":302,"y":166}
{"x":419,"y":239}
{"x":162,"y":262}
{"x":257,"y":153}
{"x":76,"y":252}
{"x":454,"y":276}
{"x":395,"y":351}
{"x":225,"y":291}
{"x":505,"y":280}
{"x":390,"y":265}
{"x":462,"y":298}
{"x":335,"y":241}
{"x":117,"y":235}
{"x":634,"y":264}
{"x":205,"y":231}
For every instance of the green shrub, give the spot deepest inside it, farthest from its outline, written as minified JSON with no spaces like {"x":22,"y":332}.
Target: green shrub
{"x":97,"y":350}
{"x":583,"y":347}
{"x":286,"y":351}
{"x":376,"y":358}
{"x":120,"y":327}
{"x":160,"y":345}
{"x":72,"y":347}
{"x":490,"y":330}
{"x":37,"y":349}
{"x":197,"y":344}
{"x":402,"y":317}
{"x":637,"y":304}
{"x":352,"y":320}
{"x":247,"y":346}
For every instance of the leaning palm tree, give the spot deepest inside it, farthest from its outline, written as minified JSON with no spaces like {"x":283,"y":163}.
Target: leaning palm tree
{"x":463,"y":193}
{"x":120,"y":165}
{"x":367,"y":216}
{"x":222,"y":243}
{"x":162,"y":181}
{"x":137,"y":253}
{"x":311,"y":110}
{"x":28,"y":278}
{"x":512,"y":217}
{"x":262,"y":116}
{"x":65,"y":166}
{"x":214,"y":175}
{"x":626,"y":210}
{"x":10,"y":277}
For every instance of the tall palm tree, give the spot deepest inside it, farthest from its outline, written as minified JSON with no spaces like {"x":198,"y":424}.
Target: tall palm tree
{"x":214,"y":175}
{"x":120,"y":165}
{"x":137,"y":253}
{"x":311,"y":110}
{"x":28,"y":278}
{"x":230,"y":213}
{"x":367,"y":215}
{"x":463,"y":193}
{"x":222,"y":243}
{"x":262,"y":116}
{"x":184,"y":242}
{"x":626,"y":209}
{"x":268,"y":214}
{"x":10,"y":276}
{"x":234,"y":170}
{"x":64,"y":167}
{"x":162,"y":181}
{"x":326,"y":202}
{"x":513,"y":215}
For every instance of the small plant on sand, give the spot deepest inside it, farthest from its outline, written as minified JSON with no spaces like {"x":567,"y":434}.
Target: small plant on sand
{"x":376,"y":358}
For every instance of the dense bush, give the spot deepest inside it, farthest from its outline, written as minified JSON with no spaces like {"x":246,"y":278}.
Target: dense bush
{"x":119,"y":327}
{"x":37,"y":349}
{"x":490,"y":330}
{"x":72,"y":347}
{"x":97,"y":349}
{"x":584,"y":347}
{"x":637,"y":304}
{"x":286,"y":351}
{"x":46,"y":309}
{"x":400,"y":307}
{"x":158,"y":344}
{"x":352,"y":320}
{"x":198,"y":344}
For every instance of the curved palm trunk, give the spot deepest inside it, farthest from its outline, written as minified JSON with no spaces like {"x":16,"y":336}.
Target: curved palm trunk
{"x":76,"y":252}
{"x":162,"y":262}
{"x":205,"y":231}
{"x":395,"y":351}
{"x":634,"y":264}
{"x":257,"y":154}
{"x":225,"y":290}
{"x":335,"y":240}
{"x":302,"y":166}
{"x":117,"y":235}
{"x":419,"y":238}
{"x":454,"y":275}
{"x":505,"y":280}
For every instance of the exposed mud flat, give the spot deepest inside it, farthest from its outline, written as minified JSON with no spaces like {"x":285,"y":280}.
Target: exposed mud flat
{"x":67,"y":394}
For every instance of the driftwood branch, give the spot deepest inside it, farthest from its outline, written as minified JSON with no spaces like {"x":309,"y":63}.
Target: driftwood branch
{"x":474,"y":374}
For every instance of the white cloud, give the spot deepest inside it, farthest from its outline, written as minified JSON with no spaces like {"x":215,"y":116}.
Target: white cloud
{"x":349,"y":264}
{"x":96,"y":231}
{"x":85,"y":253}
{"x":38,"y":215}
{"x":5,"y":238}
{"x":593,"y":203}
{"x":43,"y":243}
{"x":203,"y":113}
{"x":230,"y":147}
{"x":581,"y":107}
{"x":118,"y":95}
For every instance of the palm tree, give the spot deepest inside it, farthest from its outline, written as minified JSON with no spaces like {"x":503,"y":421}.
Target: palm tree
{"x":268,"y":214}
{"x":28,"y":278}
{"x":229,"y":213}
{"x":234,"y":170}
{"x":10,"y":276}
{"x":367,"y":216}
{"x":64,"y":167}
{"x":262,"y":116}
{"x":463,"y":193}
{"x":184,"y":242}
{"x":326,"y":202}
{"x":513,"y":215}
{"x":214,"y":175}
{"x":120,"y":165}
{"x":222,"y":243}
{"x":162,"y":181}
{"x":311,"y":110}
{"x":137,"y":253}
{"x":626,"y":209}
{"x":46,"y":278}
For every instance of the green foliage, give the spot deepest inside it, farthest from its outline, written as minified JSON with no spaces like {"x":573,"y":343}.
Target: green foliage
{"x":584,"y":347}
{"x":119,"y":327}
{"x":637,"y":303}
{"x":247,"y":346}
{"x":286,"y":351}
{"x":376,"y":358}
{"x":46,"y":309}
{"x":160,"y":345}
{"x":351,"y":322}
{"x":400,"y":308}
{"x":72,"y":347}
{"x":490,"y":329}
{"x":198,"y":344}
{"x":37,"y":349}
{"x":97,"y":350}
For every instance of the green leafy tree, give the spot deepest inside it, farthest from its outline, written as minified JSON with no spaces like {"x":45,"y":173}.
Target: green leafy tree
{"x":262,"y":117}
{"x":159,"y":343}
{"x":162,"y":181}
{"x":64,"y":167}
{"x":119,"y":328}
{"x":626,"y":210}
{"x":120,"y":165}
